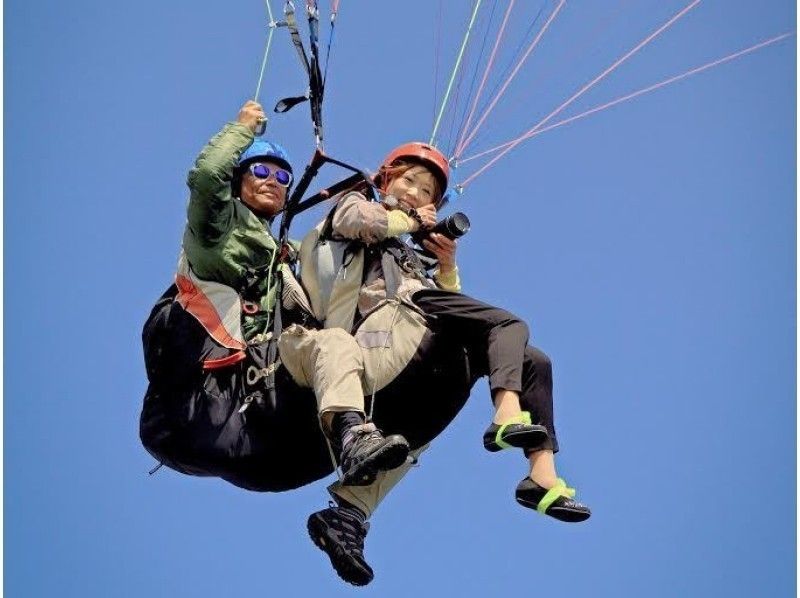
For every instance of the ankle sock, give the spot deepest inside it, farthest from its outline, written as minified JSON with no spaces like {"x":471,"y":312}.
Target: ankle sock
{"x":340,"y":428}
{"x":351,"y":509}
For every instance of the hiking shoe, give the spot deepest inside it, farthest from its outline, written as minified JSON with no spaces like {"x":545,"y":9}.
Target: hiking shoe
{"x":518,"y":432}
{"x":368,"y":453}
{"x":341,"y":536}
{"x":557,"y":502}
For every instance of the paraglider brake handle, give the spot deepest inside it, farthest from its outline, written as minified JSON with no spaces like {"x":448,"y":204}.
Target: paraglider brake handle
{"x":262,"y":126}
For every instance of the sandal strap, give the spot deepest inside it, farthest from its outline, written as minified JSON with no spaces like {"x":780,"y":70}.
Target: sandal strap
{"x":552,"y":495}
{"x":523,"y":418}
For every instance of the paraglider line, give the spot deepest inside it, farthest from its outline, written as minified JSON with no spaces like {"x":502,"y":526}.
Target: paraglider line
{"x":437,"y":46}
{"x":453,"y":112}
{"x":513,"y":74}
{"x":584,"y":89}
{"x":640,"y":92}
{"x":489,"y":64}
{"x":455,"y":70}
{"x":334,"y":13}
{"x":263,"y":65}
{"x":515,"y":56}
{"x":272,"y":25}
{"x":461,"y":120}
{"x":590,"y":39}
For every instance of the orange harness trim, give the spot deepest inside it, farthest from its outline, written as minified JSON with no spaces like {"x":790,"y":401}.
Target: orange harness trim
{"x":215,"y":364}
{"x":195,"y":302}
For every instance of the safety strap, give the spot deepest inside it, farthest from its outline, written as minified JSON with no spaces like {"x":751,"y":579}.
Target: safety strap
{"x":295,"y":204}
{"x":310,"y":63}
{"x":286,"y":104}
{"x":272,"y":351}
{"x":391,"y":275}
{"x":405,"y":257}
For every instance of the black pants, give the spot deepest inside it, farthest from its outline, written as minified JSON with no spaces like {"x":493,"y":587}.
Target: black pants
{"x":497,"y":343}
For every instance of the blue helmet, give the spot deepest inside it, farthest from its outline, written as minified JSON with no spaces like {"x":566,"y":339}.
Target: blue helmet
{"x":269,"y":150}
{"x":260,"y":149}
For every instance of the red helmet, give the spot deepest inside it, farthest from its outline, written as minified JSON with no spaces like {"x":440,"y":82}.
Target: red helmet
{"x":427,"y":155}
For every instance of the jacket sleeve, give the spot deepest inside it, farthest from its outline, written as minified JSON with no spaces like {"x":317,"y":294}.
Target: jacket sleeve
{"x":210,"y":211}
{"x":359,"y":219}
{"x":448,"y":282}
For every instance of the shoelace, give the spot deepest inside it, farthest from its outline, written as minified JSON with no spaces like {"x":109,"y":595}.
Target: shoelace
{"x":375,"y":435}
{"x":350,"y":536}
{"x":368,"y":435}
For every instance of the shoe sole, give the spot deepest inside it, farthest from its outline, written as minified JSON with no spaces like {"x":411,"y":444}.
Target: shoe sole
{"x":528,"y":439}
{"x":560,"y":513}
{"x":390,"y":456}
{"x":345,"y":569}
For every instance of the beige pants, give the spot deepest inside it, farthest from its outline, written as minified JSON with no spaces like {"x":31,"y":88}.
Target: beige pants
{"x":329,"y":361}
{"x":341,"y":369}
{"x":367,"y":498}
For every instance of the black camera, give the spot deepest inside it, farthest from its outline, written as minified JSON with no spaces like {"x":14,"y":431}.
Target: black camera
{"x":452,"y":227}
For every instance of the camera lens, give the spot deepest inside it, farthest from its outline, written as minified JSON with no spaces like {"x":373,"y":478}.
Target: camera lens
{"x":454,"y":226}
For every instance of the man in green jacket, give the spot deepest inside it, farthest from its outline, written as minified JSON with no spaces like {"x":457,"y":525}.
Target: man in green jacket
{"x":229,"y":241}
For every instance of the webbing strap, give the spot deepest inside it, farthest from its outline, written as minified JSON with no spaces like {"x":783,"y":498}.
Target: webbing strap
{"x":295,"y":205}
{"x":314,"y":75}
{"x":272,"y":351}
{"x":291,"y":23}
{"x":391,"y":276}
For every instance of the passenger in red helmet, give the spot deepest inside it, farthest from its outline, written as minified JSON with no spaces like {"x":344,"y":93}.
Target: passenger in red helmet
{"x":362,"y":278}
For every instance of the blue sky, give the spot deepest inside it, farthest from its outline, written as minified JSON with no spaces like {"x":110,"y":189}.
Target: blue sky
{"x":651,"y":247}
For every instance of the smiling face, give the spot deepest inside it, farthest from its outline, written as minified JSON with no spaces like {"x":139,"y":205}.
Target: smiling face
{"x":415,"y":186}
{"x":264,"y":196}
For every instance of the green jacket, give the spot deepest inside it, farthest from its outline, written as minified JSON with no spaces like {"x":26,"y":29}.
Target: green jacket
{"x":224,"y":241}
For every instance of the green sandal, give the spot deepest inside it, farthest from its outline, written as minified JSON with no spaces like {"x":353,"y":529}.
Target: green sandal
{"x":557,"y":502}
{"x":518,"y":432}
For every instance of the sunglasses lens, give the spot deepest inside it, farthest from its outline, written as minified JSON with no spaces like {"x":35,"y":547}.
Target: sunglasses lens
{"x":260,"y":171}
{"x":283,"y":177}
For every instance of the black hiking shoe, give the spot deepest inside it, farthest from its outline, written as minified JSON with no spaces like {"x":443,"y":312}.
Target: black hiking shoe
{"x":369,"y":453}
{"x":557,"y":502}
{"x":341,"y":536}
{"x":518,"y":433}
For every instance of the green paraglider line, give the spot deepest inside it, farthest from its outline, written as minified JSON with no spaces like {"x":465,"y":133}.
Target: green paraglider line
{"x":272,"y":26}
{"x":455,"y":70}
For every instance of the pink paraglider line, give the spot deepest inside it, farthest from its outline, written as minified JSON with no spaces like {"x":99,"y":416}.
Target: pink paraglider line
{"x":638,"y":93}
{"x":581,"y":91}
{"x":522,"y":60}
{"x":488,"y":68}
{"x":577,"y":50}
